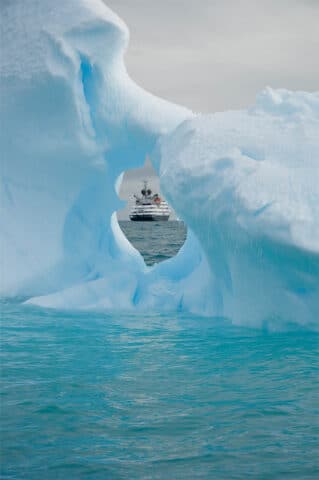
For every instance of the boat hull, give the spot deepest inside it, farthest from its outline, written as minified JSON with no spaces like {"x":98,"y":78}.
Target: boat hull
{"x":149,"y":218}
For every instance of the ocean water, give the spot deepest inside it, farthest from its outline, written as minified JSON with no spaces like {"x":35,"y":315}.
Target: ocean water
{"x":96,"y":396}
{"x":110,"y":397}
{"x":156,"y":241}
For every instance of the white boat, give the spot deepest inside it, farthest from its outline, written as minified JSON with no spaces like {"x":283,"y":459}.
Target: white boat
{"x":149,"y":207}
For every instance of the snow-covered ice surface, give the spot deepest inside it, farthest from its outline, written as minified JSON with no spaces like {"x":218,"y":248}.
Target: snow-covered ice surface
{"x":247,"y":183}
{"x":72,"y":121}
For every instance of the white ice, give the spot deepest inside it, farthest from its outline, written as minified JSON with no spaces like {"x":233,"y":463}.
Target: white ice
{"x":72,"y":121}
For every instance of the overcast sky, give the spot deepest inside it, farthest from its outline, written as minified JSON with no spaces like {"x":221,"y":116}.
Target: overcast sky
{"x":214,"y":55}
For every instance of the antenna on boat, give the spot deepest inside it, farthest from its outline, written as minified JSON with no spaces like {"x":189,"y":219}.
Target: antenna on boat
{"x":146,"y":191}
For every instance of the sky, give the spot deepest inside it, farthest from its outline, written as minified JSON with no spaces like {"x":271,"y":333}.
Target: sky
{"x":215,"y":55}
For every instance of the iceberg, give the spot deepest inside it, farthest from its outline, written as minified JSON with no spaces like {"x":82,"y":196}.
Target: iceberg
{"x":245,"y":183}
{"x":254,"y":204}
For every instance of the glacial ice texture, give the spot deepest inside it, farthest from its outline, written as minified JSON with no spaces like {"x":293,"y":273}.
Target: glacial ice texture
{"x":246,"y":183}
{"x":254,"y":203}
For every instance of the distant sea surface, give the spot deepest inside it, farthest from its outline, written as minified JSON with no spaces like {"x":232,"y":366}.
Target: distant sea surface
{"x":124,"y":397}
{"x":156,"y":241}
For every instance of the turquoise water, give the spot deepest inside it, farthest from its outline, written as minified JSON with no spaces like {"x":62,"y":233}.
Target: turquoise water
{"x":95,"y":396}
{"x":156,"y":241}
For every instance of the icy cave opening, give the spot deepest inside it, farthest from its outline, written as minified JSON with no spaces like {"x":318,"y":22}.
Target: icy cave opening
{"x":156,"y":239}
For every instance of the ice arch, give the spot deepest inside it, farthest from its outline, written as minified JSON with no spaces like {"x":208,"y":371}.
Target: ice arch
{"x":72,"y":121}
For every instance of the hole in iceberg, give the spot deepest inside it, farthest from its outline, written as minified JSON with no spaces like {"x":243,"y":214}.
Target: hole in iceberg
{"x":147,"y":220}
